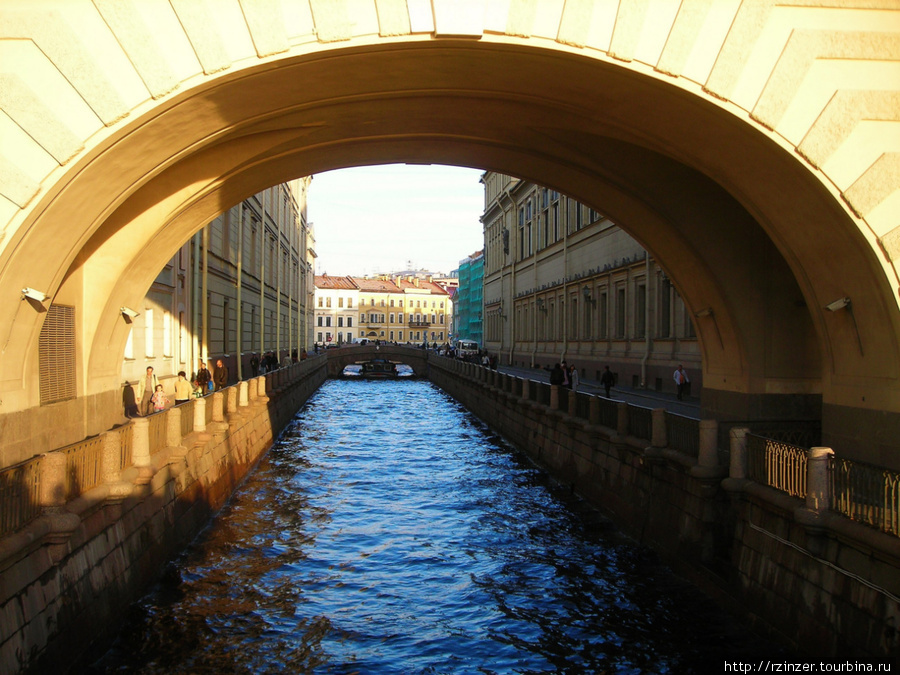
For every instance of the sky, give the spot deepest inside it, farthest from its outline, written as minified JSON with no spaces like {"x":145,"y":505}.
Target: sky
{"x":389,"y":218}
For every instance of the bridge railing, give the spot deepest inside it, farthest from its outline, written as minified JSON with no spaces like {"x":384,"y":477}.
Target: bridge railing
{"x":50,"y":480}
{"x":862,"y":492}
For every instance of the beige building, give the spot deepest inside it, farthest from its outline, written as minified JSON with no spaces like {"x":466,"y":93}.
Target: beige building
{"x":561,"y":281}
{"x":388,"y":308}
{"x":241,"y":285}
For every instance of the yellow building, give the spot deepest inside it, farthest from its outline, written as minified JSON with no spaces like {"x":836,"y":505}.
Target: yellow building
{"x":388,"y":308}
{"x":563,"y":282}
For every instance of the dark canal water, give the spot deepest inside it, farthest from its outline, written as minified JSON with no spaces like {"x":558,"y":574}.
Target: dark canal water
{"x":389,"y":531}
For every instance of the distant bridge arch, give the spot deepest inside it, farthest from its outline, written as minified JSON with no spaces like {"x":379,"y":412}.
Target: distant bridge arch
{"x":341,"y":357}
{"x":748,"y":145}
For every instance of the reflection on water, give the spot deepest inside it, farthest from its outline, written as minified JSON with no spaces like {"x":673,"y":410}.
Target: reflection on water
{"x":388,"y":531}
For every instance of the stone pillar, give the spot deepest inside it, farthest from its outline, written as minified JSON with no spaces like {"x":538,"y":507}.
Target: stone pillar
{"x":140,"y":449}
{"x":53,"y":500}
{"x":818,"y":493}
{"x":594,"y":410}
{"x":111,"y":457}
{"x":53,"y":482}
{"x":173,"y":427}
{"x":554,"y":397}
{"x":231,"y":400}
{"x":200,"y":415}
{"x":573,"y":403}
{"x":262,"y":384}
{"x":244,"y":394}
{"x":526,"y":388}
{"x":218,"y":403}
{"x":658,"y":434}
{"x":738,"y":466}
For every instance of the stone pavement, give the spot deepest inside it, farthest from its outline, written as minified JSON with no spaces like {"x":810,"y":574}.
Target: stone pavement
{"x":647,"y":398}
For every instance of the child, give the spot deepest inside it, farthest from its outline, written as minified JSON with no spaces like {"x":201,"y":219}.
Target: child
{"x":160,"y":401}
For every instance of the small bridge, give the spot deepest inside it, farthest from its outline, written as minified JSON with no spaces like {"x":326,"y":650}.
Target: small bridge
{"x":414,"y":357}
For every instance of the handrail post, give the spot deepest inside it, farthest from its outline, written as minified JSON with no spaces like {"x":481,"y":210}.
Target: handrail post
{"x":200,"y":415}
{"x":818,"y":497}
{"x":231,"y":400}
{"x":526,"y":388}
{"x":244,"y":394}
{"x":554,"y":397}
{"x":140,"y":449}
{"x":739,"y":463}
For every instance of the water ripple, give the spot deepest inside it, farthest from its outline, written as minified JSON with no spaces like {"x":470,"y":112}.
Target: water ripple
{"x":388,"y":531}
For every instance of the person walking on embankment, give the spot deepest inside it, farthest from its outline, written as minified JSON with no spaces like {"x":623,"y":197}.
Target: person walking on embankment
{"x":682,"y":381}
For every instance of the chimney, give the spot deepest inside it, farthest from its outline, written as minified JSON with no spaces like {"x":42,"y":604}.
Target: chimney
{"x":416,"y":281}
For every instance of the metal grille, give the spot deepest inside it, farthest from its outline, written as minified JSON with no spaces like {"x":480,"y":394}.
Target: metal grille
{"x":640,"y":422}
{"x":20,"y":488}
{"x":56,"y":354}
{"x":867,"y":493}
{"x":683,"y":434}
{"x":778,"y":465}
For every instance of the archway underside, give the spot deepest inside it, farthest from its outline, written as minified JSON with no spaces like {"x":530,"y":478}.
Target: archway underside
{"x":754,"y":241}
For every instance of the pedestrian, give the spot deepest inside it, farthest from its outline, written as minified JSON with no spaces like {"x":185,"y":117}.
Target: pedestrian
{"x":159,"y":398}
{"x":573,"y":378}
{"x":183,"y":389}
{"x":203,"y":378}
{"x":556,"y":375}
{"x":220,"y":376}
{"x":682,"y":381}
{"x":144,"y":394}
{"x":254,"y":364}
{"x":607,"y":379}
{"x":567,"y":383}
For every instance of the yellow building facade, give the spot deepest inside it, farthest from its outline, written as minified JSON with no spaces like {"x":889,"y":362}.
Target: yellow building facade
{"x":563,"y":282}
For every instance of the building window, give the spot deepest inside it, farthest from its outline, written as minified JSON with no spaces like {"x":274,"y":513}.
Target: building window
{"x":620,"y":312}
{"x":349,"y":322}
{"x":602,"y":315}
{"x":148,"y":333}
{"x":640,"y":311}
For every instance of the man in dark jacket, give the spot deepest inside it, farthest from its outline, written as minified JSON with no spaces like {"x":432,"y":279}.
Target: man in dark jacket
{"x":220,"y":377}
{"x":557,"y":376}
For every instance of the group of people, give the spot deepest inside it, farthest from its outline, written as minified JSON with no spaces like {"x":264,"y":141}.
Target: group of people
{"x":564,"y":375}
{"x":268,"y":363}
{"x":150,"y":396}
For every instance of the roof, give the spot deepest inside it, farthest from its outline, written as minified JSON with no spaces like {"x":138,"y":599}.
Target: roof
{"x":342,"y":283}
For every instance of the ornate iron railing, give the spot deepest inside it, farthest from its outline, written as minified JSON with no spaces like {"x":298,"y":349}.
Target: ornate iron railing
{"x":187,"y":418}
{"x":82,"y":466}
{"x":20,"y":490}
{"x":776,"y":464}
{"x":867,"y":493}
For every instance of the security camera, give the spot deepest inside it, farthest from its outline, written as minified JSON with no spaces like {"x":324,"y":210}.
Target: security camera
{"x":32,"y":294}
{"x":130,"y":313}
{"x":840,"y":303}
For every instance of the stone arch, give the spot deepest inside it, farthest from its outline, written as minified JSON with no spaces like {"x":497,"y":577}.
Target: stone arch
{"x":764,"y":198}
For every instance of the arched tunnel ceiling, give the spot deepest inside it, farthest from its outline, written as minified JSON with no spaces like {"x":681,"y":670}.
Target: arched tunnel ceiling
{"x":712,"y":197}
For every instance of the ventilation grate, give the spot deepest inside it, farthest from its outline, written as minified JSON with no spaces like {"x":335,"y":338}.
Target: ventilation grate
{"x":56,"y":353}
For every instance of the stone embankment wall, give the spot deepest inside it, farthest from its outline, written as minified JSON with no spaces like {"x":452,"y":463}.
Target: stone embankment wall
{"x":69,"y":574}
{"x":824,"y":584}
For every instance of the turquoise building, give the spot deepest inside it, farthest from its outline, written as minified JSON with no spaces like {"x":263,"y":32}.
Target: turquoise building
{"x":469,"y":299}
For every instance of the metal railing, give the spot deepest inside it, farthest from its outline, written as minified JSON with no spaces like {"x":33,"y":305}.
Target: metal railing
{"x":640,"y":422}
{"x":82,"y":466}
{"x":187,"y":418}
{"x":20,"y":489}
{"x":867,"y":493}
{"x":683,"y":434}
{"x":776,"y":464}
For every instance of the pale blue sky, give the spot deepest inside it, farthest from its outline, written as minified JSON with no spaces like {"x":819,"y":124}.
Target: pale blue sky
{"x":377,"y":219}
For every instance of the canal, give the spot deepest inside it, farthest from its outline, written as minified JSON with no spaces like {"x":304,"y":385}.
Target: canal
{"x":389,"y":531}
